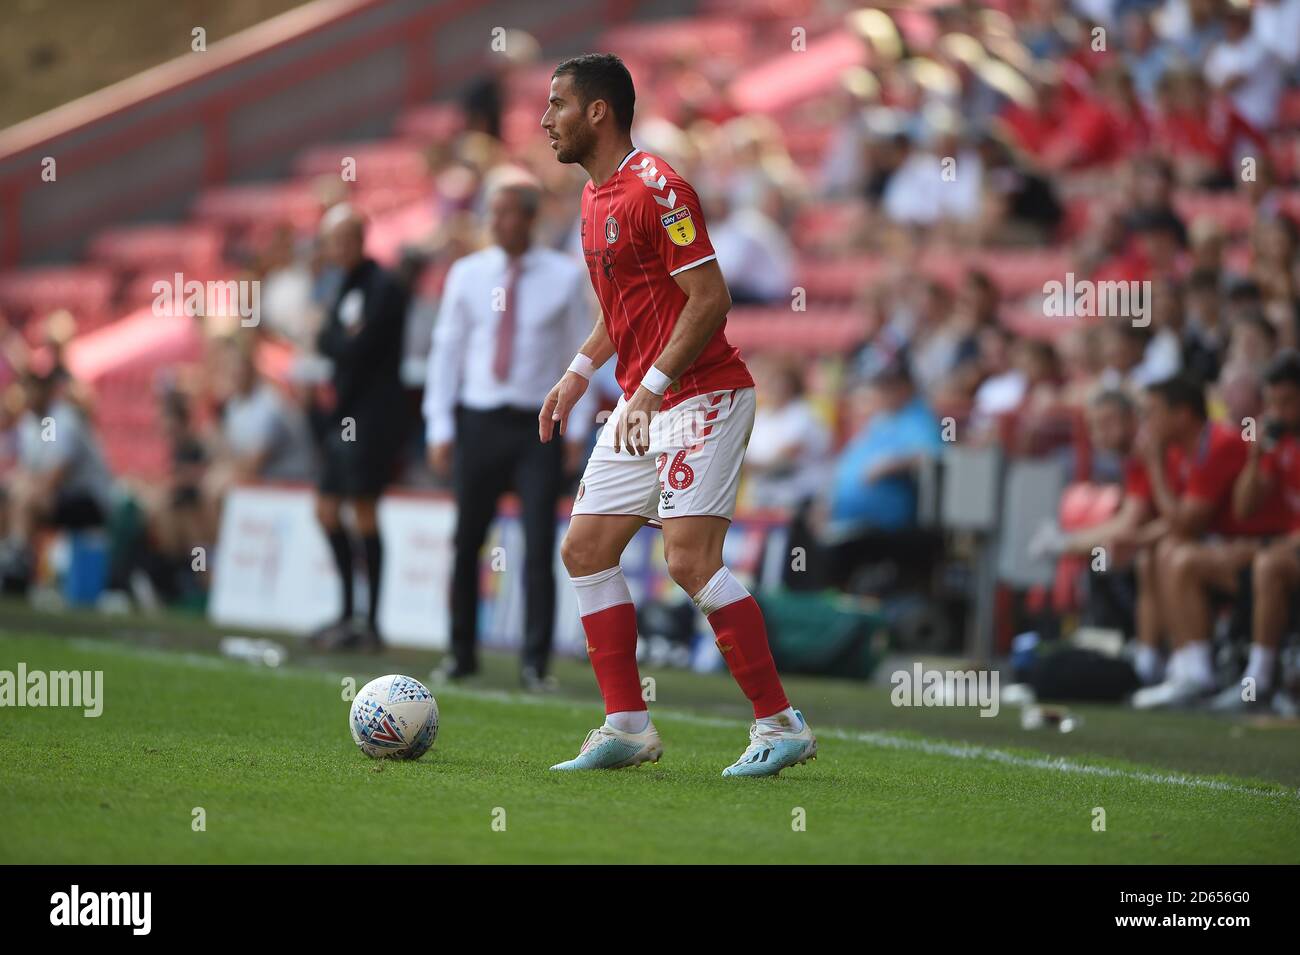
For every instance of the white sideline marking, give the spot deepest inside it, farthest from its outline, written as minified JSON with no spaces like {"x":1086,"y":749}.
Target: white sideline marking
{"x":869,"y":737}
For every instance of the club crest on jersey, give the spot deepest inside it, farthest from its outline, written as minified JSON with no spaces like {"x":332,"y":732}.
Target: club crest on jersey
{"x":611,"y":229}
{"x":680,"y":226}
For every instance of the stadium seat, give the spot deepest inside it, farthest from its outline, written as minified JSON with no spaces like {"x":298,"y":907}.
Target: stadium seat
{"x":88,"y":291}
{"x":431,"y":122}
{"x":158,"y":248}
{"x":798,"y":75}
{"x":756,"y":329}
{"x":393,"y":162}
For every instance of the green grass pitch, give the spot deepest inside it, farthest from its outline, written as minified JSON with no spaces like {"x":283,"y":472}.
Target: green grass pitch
{"x":267,"y":756}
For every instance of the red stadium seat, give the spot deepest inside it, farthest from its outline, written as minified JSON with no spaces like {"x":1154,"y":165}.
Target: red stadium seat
{"x":239,"y":206}
{"x":778,"y":329}
{"x":87,"y":291}
{"x":393,"y":162}
{"x":797,"y":76}
{"x":158,"y":247}
{"x":432,"y":122}
{"x":654,"y":43}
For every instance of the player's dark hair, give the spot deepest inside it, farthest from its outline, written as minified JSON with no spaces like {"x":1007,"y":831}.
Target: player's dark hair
{"x":1181,"y":392}
{"x":1283,"y":369}
{"x":602,"y":76}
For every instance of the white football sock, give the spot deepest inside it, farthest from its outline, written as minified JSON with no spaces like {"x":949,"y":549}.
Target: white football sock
{"x":787,"y":719}
{"x":721,"y":590}
{"x":1176,"y":666}
{"x":1199,"y":664}
{"x":1260,"y":667}
{"x":601,"y":590}
{"x":629,"y":721}
{"x":1147,"y":663}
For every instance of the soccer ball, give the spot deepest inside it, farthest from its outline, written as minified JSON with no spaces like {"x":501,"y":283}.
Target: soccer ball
{"x":394,"y":717}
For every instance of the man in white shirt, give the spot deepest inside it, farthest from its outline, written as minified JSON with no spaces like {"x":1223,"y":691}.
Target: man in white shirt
{"x":511,"y":317}
{"x":1246,"y":70}
{"x":1276,"y":25}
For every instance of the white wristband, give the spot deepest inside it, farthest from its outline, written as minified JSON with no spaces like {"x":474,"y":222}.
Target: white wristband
{"x":655,"y":381}
{"x":582,"y":365}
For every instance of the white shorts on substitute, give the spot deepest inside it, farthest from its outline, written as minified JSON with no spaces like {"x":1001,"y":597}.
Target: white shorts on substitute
{"x":691,"y":469}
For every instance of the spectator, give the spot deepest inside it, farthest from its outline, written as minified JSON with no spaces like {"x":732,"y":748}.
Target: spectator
{"x":1124,"y":347}
{"x":176,"y":516}
{"x":752,"y":248}
{"x":261,"y":437}
{"x":61,"y":480}
{"x":788,"y":445}
{"x":1276,"y":25}
{"x":1113,"y":588}
{"x":1244,"y":68}
{"x":873,"y":484}
{"x":1205,"y":333}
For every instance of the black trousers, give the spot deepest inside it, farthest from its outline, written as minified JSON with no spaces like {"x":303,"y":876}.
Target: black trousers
{"x":497,"y":451}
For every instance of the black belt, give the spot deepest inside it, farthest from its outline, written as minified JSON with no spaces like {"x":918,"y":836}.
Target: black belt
{"x":507,"y":413}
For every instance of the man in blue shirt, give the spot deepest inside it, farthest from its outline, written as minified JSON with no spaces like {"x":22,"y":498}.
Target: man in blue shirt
{"x":874,"y":483}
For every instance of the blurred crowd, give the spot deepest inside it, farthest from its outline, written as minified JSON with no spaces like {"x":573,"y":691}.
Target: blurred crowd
{"x":1077,"y":128}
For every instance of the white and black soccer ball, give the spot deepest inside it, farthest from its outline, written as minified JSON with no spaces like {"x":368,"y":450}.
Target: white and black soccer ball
{"x":394,"y":717}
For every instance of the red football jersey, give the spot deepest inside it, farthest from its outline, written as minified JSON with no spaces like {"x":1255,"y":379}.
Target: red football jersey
{"x":1281,"y":467}
{"x":1219,"y":457}
{"x":641,"y":227}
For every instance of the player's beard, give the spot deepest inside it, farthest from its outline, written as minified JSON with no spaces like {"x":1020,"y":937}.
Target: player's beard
{"x":579,"y":146}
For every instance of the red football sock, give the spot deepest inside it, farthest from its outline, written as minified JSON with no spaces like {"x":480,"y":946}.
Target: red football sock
{"x":742,"y":638}
{"x":611,"y":645}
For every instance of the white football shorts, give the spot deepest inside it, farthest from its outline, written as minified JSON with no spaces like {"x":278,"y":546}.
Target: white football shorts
{"x":691,"y":469}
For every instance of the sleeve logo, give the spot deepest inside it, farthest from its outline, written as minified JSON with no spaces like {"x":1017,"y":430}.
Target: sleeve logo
{"x":680,"y":226}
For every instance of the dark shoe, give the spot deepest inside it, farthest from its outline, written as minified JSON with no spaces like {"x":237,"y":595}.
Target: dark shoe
{"x":368,"y":639}
{"x":534,"y":681}
{"x":451,"y":671}
{"x":330,"y":636}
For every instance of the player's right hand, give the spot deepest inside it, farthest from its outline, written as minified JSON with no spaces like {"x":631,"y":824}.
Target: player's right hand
{"x":558,"y":404}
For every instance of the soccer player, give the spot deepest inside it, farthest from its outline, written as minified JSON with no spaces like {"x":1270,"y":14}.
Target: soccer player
{"x":670,"y":453}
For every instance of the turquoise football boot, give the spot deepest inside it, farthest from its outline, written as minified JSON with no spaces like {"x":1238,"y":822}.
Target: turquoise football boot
{"x":772,"y":750}
{"x":608,"y":748}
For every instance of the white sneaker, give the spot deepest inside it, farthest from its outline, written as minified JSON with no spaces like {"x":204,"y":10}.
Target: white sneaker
{"x":608,"y":748}
{"x":1170,"y":694}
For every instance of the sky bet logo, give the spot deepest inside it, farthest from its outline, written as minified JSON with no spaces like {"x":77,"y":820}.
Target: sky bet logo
{"x":102,"y":908}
